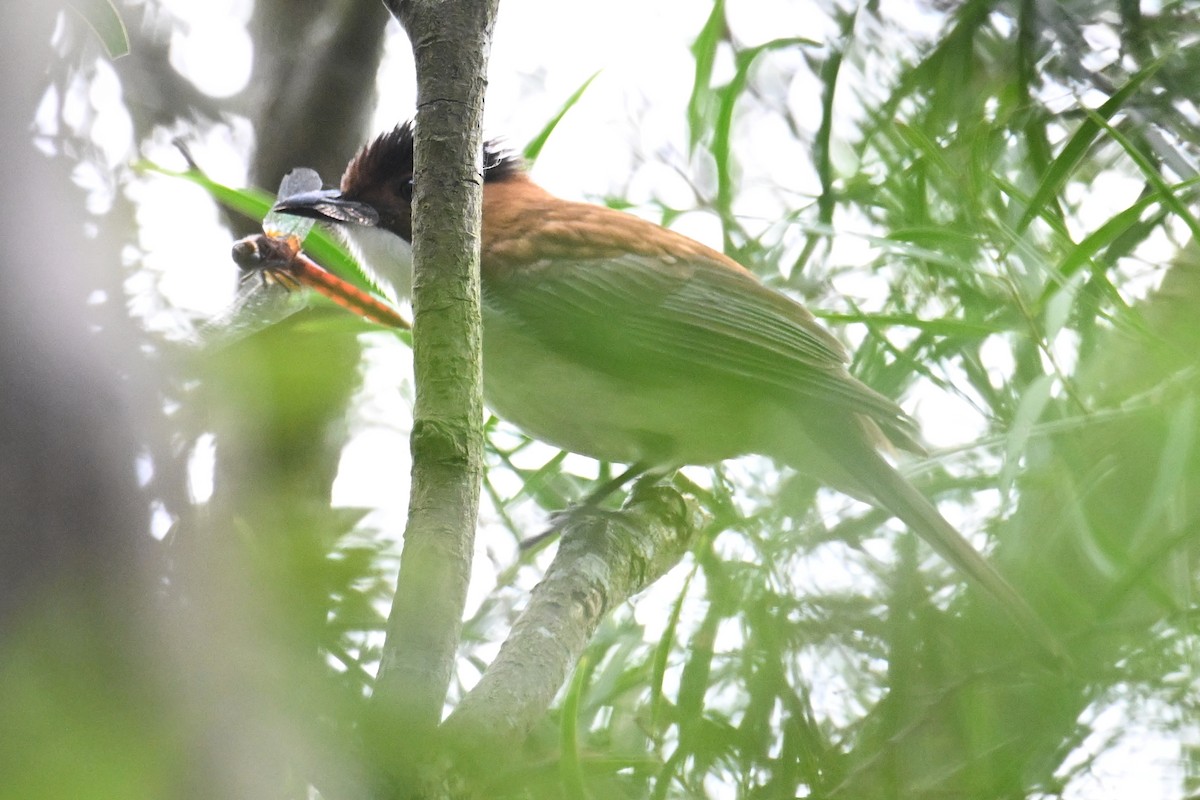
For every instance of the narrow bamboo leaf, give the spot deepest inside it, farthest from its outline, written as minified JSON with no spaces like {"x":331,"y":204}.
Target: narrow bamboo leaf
{"x":1033,"y":403}
{"x":959,"y":328}
{"x":1170,"y":484}
{"x":1103,"y":236}
{"x":662,"y":653}
{"x":569,"y":769}
{"x":1079,"y":144}
{"x":1150,"y":171}
{"x":1058,"y":309}
{"x":704,"y":50}
{"x":723,"y":125}
{"x":534,"y":148}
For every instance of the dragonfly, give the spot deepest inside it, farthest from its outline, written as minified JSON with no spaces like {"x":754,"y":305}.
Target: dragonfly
{"x":274,"y":268}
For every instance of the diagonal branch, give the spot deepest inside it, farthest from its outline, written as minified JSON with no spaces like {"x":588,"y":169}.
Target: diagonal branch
{"x":604,"y":559}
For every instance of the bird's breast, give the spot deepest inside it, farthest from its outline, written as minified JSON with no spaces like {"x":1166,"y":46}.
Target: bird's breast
{"x":574,"y":406}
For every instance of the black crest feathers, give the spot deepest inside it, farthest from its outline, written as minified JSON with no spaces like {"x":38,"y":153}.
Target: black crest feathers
{"x":391,"y":155}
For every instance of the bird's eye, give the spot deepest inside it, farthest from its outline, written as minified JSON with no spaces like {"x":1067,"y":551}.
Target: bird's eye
{"x":406,"y":189}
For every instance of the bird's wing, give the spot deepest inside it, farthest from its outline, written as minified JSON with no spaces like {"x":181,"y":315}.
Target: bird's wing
{"x":655,"y":321}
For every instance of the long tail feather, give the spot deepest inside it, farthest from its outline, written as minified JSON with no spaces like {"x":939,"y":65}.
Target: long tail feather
{"x":895,"y":494}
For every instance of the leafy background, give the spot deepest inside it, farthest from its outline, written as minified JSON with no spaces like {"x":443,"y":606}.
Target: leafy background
{"x":992,"y":202}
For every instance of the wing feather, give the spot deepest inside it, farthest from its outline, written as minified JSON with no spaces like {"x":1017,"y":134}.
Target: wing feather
{"x":639,"y":317}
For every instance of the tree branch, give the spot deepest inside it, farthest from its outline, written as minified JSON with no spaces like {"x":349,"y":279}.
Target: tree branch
{"x":604,"y":559}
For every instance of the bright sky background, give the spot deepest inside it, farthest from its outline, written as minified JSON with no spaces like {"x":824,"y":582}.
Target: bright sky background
{"x":544,"y":50}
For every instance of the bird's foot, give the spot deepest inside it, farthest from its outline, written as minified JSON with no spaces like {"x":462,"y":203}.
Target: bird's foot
{"x":590,"y":505}
{"x":564,"y":518}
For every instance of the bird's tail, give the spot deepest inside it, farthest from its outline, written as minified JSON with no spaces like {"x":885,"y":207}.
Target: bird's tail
{"x":869,"y":470}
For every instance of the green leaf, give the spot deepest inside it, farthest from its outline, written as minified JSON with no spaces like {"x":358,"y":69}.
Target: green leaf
{"x":704,"y":51}
{"x":105,"y":21}
{"x":255,"y":203}
{"x":1058,"y":309}
{"x":534,"y":148}
{"x":1170,"y":489}
{"x":1079,"y":144}
{"x":1152,"y":174}
{"x":1033,"y":402}
{"x":570,"y":769}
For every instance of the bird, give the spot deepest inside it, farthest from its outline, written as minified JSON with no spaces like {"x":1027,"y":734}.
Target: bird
{"x":607,"y":335}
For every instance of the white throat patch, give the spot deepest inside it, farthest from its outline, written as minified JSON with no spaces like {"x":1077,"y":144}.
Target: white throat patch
{"x":384,"y":256}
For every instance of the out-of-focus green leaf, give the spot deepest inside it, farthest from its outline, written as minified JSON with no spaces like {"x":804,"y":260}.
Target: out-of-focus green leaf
{"x":569,"y":766}
{"x":1033,"y":403}
{"x":1060,"y":305}
{"x":255,"y":204}
{"x":1170,"y":492}
{"x":105,"y":21}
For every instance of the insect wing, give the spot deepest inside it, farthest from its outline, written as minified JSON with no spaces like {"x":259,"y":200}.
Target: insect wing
{"x":299,"y":180}
{"x":258,"y":305}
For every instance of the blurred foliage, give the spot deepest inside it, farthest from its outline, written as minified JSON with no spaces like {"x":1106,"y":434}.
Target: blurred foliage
{"x":1003,"y":215}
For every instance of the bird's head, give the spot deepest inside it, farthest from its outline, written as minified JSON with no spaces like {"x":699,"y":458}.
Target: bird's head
{"x":372,"y":209}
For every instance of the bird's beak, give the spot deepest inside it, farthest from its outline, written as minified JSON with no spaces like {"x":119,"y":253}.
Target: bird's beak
{"x":327,"y":205}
